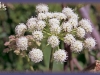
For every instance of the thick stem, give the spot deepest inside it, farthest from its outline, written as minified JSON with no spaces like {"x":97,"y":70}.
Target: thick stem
{"x":51,"y":60}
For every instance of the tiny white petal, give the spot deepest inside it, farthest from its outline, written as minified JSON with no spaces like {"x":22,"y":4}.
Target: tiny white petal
{"x":73,"y":22}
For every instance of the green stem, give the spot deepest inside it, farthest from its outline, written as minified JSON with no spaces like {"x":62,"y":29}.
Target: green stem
{"x":31,"y":67}
{"x":51,"y":60}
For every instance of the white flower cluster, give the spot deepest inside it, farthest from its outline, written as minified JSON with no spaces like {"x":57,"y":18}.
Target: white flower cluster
{"x":55,"y":26}
{"x":22,"y":43}
{"x":60,"y":56}
{"x":36,"y":55}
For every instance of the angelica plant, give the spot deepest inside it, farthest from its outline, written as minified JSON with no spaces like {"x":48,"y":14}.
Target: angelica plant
{"x":52,"y":26}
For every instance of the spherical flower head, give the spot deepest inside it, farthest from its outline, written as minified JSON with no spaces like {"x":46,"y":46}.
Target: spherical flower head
{"x":55,"y":29}
{"x":80,"y":32}
{"x":61,"y":16}
{"x":56,"y":14}
{"x":37,"y":35}
{"x":31,"y":24}
{"x":85,"y":23}
{"x":49,"y":15}
{"x":60,"y":56}
{"x":76,"y":46}
{"x":89,"y":43}
{"x":40,"y":25}
{"x":22,"y":43}
{"x":20,"y":29}
{"x":69,"y":39}
{"x":42,"y":16}
{"x":73,"y":22}
{"x":67,"y":27}
{"x":53,"y":21}
{"x":36,"y":55}
{"x":53,"y":41}
{"x":67,"y":10}
{"x":42,"y":8}
{"x":73,"y":16}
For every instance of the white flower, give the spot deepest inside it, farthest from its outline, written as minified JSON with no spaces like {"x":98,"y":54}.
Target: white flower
{"x":31,"y":24}
{"x":42,"y":8}
{"x":60,"y":56}
{"x":49,"y":15}
{"x":53,"y":21}
{"x":73,"y":16}
{"x":36,"y":55}
{"x":67,"y":10}
{"x":20,"y":29}
{"x":69,"y":39}
{"x":22,"y":43}
{"x":89,"y":43}
{"x":41,"y":16}
{"x":80,"y":32}
{"x":53,"y":41}
{"x":61,"y":16}
{"x":66,"y":27}
{"x":73,"y":22}
{"x":55,"y":29}
{"x":76,"y":46}
{"x":37,"y":35}
{"x":85,"y":23}
{"x":56,"y":14}
{"x":40,"y":25}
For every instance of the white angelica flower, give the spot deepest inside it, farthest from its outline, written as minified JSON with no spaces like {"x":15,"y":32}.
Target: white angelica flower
{"x":36,"y":55}
{"x":55,"y":14}
{"x":41,"y":16}
{"x":40,"y":25}
{"x":53,"y":21}
{"x":53,"y":41}
{"x":49,"y":15}
{"x":66,"y":27}
{"x":80,"y":32}
{"x":61,"y":16}
{"x":73,"y":22}
{"x":42,"y":8}
{"x":20,"y":29}
{"x":60,"y":56}
{"x":89,"y":43}
{"x":76,"y":46}
{"x":85,"y":23}
{"x":69,"y":39}
{"x":55,"y":29}
{"x":37,"y":35}
{"x":22,"y":43}
{"x":73,"y":16}
{"x":31,"y":24}
{"x":67,"y":10}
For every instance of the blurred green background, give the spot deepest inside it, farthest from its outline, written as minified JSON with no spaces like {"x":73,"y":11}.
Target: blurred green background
{"x":19,"y":13}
